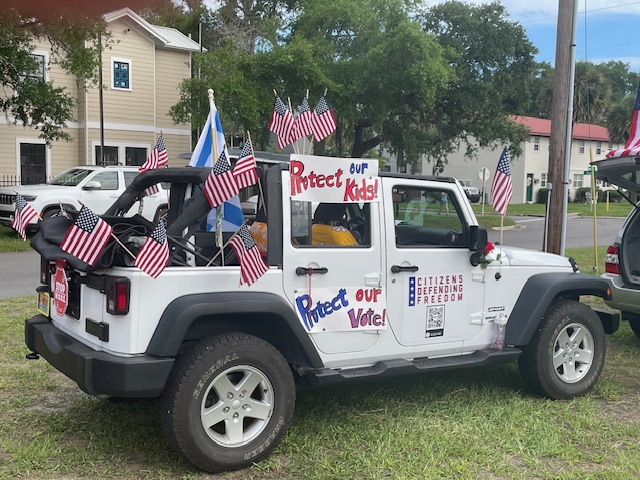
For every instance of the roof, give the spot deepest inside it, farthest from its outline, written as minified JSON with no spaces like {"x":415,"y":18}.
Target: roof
{"x":163,"y":36}
{"x":581,"y":131}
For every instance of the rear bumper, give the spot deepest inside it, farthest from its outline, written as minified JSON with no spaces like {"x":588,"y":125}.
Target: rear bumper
{"x":97,"y":373}
{"x":625,"y":298}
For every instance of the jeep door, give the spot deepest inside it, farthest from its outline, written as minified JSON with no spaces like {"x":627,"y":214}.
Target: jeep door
{"x":437,"y":294}
{"x":332,"y":253}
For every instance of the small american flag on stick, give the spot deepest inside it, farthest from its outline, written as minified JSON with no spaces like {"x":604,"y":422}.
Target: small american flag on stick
{"x":22,"y":216}
{"x":87,"y":236}
{"x":221,"y":185}
{"x":158,"y":158}
{"x":154,"y":254}
{"x":245,"y":170}
{"x":502,"y":188}
{"x":281,"y":122}
{"x":252,"y":267}
{"x":323,"y":123}
{"x":302,"y":124}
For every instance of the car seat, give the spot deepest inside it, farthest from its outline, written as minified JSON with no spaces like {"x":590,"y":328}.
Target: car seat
{"x":328,"y":229}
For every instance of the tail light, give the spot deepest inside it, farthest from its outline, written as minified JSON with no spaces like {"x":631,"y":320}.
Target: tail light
{"x":117,"y":290}
{"x":611,"y":260}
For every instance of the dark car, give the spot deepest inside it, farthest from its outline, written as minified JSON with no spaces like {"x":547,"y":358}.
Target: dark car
{"x":473,"y":194}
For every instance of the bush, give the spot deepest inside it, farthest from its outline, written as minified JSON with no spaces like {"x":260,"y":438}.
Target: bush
{"x":614,"y":196}
{"x":541,"y":196}
{"x":581,"y":194}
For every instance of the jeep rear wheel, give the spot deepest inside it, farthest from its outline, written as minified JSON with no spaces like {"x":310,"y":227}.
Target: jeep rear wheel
{"x":229,"y":402}
{"x":635,"y":326}
{"x":566,"y":354}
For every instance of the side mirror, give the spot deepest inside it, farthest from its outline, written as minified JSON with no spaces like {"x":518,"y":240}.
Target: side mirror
{"x":92,"y":185}
{"x":477,"y":238}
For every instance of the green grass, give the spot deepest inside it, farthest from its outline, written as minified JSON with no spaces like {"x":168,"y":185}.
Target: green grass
{"x":10,"y":241}
{"x":621,"y":209}
{"x":465,"y":424}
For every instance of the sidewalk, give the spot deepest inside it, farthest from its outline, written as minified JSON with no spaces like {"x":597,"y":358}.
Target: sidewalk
{"x":20,"y":274}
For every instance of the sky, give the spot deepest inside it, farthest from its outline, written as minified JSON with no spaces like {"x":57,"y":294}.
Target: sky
{"x":607,"y":29}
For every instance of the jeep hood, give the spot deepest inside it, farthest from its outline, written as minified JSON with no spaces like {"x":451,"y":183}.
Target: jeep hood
{"x":35,"y":189}
{"x":522,"y":257}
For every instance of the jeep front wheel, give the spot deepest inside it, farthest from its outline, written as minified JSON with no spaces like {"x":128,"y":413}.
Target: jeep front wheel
{"x":566,"y":354}
{"x":229,"y":402}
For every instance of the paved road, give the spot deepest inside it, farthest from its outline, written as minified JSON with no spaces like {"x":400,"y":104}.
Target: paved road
{"x":20,"y":271}
{"x":20,"y":274}
{"x":529,"y":232}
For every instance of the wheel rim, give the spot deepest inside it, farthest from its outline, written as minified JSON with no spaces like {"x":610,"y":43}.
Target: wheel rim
{"x":573,"y":353}
{"x":237,"y":406}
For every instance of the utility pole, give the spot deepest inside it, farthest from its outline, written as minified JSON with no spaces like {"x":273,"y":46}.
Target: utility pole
{"x":561,"y":108}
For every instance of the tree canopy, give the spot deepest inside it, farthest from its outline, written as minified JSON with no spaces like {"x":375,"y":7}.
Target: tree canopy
{"x":27,"y":98}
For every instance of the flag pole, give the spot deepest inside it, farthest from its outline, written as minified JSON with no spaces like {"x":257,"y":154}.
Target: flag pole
{"x":224,"y":246}
{"x":214,"y":152}
{"x":304,"y":139}
{"x":264,"y":204}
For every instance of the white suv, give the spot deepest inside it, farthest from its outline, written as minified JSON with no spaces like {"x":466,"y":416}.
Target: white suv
{"x":96,"y":187}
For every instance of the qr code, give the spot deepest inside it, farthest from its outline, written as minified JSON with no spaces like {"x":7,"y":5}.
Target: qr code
{"x":435,"y":317}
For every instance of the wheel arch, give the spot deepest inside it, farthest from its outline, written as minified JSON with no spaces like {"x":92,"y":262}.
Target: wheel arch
{"x":264,"y":315}
{"x":539,"y":292}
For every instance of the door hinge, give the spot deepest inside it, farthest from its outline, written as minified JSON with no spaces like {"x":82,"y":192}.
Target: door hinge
{"x":372,"y":279}
{"x":477,"y":318}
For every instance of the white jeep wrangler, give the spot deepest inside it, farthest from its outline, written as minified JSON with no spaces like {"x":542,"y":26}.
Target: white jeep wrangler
{"x":410,"y":292}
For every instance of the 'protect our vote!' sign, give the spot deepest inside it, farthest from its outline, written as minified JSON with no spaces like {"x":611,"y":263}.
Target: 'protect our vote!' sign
{"x":334,"y":180}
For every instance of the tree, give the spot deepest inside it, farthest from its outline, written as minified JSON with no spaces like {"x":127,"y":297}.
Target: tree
{"x":494,"y":74}
{"x":619,"y":119}
{"x":27,"y":98}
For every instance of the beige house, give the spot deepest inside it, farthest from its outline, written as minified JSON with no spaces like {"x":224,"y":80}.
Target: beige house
{"x":529,"y":172}
{"x":141,"y":74}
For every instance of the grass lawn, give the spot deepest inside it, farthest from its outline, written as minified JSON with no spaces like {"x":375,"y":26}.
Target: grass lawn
{"x":621,"y":209}
{"x":10,"y":241}
{"x":465,"y":424}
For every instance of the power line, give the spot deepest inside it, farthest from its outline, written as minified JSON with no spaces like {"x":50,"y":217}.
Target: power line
{"x":584,"y":11}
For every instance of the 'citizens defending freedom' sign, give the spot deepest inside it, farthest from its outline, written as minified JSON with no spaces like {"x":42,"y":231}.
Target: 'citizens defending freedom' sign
{"x":334,"y":180}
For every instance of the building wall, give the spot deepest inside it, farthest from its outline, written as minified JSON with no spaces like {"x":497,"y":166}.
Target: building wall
{"x":133,"y":117}
{"x":533,"y":163}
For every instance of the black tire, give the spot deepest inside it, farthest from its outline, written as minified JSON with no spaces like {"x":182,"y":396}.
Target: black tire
{"x":160,"y":213}
{"x":571,"y":332}
{"x":635,"y":326}
{"x":207,"y":378}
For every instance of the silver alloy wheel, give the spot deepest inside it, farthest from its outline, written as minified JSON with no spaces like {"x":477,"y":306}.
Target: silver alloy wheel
{"x":573,"y":352}
{"x":237,"y":406}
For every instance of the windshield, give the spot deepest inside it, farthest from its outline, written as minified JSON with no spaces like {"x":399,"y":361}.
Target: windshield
{"x":71,"y":177}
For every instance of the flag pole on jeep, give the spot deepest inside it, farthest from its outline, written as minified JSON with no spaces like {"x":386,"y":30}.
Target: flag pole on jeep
{"x":215,"y":153}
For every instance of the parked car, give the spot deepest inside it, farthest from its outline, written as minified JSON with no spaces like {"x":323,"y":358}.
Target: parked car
{"x":473,"y":194}
{"x":97,"y":187}
{"x":622,"y":262}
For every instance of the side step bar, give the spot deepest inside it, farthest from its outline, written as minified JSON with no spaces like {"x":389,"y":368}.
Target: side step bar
{"x":392,"y":368}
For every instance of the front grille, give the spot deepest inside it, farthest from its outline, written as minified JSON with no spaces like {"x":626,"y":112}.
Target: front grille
{"x":7,"y":199}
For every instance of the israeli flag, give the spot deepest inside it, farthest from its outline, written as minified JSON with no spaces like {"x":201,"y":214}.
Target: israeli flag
{"x":202,"y":156}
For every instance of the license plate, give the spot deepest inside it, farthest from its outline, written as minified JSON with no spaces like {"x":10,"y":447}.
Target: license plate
{"x":44,"y":300}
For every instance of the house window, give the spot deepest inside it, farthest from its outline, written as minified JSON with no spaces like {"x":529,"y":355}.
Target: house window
{"x":543,"y":180}
{"x":598,"y":148}
{"x":577,"y":180}
{"x":536,"y":143}
{"x":110,"y":155}
{"x":610,"y":145}
{"x":581,"y":148}
{"x":121,"y":72}
{"x":135,"y":156}
{"x":33,"y":163}
{"x":38,"y":73}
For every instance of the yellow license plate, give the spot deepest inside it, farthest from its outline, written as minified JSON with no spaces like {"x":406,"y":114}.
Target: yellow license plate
{"x":44,"y":300}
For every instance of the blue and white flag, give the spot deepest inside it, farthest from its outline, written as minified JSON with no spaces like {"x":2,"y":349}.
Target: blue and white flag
{"x":202,"y":156}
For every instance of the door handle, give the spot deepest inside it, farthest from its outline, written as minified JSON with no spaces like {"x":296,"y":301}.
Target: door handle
{"x":398,"y":268}
{"x":310,"y":271}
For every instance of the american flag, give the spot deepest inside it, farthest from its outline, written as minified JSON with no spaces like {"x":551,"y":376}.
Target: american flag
{"x":22,"y":216}
{"x":87,"y":236}
{"x":252,"y":267}
{"x":632,"y":147}
{"x":281,"y":122}
{"x":323,"y":123}
{"x":302,"y":124}
{"x":502,"y":188}
{"x":154,"y":254}
{"x":221,"y":185}
{"x":245,"y":170}
{"x":158,"y":158}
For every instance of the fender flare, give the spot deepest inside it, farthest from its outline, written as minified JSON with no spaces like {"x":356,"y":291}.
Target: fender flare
{"x":539,"y":292}
{"x":181,"y":312}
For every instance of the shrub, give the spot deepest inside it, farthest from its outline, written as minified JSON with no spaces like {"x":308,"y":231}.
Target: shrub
{"x":541,"y":195}
{"x":581,"y":194}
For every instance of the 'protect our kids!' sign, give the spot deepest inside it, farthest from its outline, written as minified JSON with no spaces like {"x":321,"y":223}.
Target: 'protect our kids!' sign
{"x":334,"y":180}
{"x":342,"y":309}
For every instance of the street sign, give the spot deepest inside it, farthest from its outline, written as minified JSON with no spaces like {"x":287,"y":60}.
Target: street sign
{"x":484,"y":174}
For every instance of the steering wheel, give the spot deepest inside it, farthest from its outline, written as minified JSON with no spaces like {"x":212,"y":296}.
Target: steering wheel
{"x":356,"y":225}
